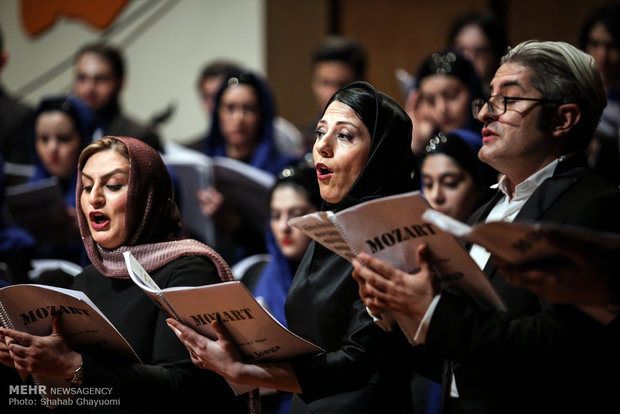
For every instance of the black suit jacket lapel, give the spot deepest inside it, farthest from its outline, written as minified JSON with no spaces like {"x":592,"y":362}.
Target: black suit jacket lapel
{"x":480,"y":215}
{"x":564,"y":177}
{"x":544,"y":196}
{"x":533,"y":210}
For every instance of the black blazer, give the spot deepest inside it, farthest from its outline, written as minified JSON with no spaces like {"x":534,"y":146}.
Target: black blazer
{"x":535,"y":357}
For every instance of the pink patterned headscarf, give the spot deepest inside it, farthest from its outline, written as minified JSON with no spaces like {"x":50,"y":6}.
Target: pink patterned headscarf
{"x":151,"y":219}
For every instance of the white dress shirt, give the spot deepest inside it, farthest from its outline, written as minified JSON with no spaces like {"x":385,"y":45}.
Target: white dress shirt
{"x":506,"y":209}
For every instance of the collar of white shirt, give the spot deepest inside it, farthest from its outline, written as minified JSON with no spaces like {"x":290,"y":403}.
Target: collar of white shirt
{"x":525,"y":189}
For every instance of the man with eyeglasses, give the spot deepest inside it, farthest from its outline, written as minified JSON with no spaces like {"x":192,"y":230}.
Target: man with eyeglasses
{"x":547,"y":98}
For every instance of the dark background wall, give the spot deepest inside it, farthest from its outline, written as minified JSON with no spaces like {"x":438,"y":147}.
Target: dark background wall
{"x":396,"y":33}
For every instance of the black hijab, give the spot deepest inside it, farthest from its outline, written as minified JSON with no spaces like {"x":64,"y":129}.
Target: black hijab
{"x":391,"y":167}
{"x":356,"y":348}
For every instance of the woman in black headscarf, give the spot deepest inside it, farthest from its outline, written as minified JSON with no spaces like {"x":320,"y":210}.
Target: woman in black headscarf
{"x":362,"y":152}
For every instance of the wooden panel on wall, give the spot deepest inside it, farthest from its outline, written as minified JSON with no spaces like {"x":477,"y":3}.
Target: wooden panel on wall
{"x":294,"y":29}
{"x":400,"y":33}
{"x":547,"y":20}
{"x":396,"y":34}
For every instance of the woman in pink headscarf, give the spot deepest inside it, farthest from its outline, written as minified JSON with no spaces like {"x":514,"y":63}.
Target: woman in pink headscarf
{"x":125,"y":202}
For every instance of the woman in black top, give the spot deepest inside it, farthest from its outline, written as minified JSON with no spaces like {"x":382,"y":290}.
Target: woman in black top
{"x":362,"y":151}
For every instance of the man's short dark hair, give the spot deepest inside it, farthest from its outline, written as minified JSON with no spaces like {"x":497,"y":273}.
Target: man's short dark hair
{"x":342,"y":49}
{"x":110,"y":54}
{"x":491,"y":26}
{"x":217,"y":68}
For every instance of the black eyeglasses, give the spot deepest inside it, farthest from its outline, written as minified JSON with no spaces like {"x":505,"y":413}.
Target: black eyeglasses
{"x":497,"y":103}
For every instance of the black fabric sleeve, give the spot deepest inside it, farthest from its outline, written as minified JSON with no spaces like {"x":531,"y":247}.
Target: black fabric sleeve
{"x":367,"y":355}
{"x":166,"y":377}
